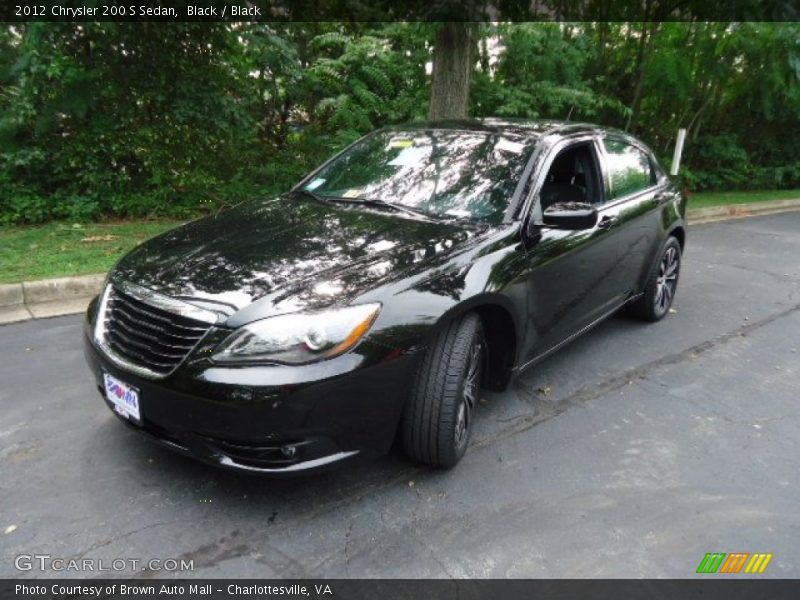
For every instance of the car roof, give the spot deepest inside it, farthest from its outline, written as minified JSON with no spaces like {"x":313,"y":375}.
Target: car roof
{"x":519,"y":126}
{"x":523,"y":127}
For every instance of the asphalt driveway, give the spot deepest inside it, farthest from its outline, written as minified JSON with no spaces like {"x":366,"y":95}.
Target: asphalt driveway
{"x":631,"y":453}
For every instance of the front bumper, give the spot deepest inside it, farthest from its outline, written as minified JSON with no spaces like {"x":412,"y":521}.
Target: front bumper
{"x":271,"y":419}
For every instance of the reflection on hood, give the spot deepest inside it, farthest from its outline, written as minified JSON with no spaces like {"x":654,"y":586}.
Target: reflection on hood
{"x":295,"y":250}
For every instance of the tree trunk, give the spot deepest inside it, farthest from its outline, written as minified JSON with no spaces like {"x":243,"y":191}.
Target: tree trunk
{"x":452,"y":68}
{"x":643,"y":55}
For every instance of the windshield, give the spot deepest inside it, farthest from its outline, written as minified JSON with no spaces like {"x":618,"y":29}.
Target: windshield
{"x":442,"y":173}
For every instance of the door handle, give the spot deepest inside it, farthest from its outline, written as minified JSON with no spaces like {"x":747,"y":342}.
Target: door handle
{"x":607,"y":222}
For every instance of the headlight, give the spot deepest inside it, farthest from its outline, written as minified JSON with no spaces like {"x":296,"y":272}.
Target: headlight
{"x":298,"y":338}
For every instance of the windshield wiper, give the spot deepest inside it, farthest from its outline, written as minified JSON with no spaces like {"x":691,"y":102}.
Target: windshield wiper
{"x":371,"y":202}
{"x":379,"y":203}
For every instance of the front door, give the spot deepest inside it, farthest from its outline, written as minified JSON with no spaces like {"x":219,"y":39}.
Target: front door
{"x":573,"y":277}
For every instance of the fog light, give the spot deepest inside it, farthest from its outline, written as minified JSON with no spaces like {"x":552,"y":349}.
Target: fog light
{"x":289,"y":451}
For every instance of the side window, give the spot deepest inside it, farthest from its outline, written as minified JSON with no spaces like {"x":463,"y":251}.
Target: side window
{"x":628,"y":167}
{"x":572,"y":177}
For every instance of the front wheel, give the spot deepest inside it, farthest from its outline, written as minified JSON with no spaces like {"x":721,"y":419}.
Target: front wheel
{"x":438,"y":418}
{"x":660,"y":289}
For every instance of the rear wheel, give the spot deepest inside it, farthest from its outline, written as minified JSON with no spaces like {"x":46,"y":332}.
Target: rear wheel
{"x":439,"y":415}
{"x":662,"y":285}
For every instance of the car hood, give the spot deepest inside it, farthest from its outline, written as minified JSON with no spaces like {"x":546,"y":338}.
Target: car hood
{"x":301,"y":253}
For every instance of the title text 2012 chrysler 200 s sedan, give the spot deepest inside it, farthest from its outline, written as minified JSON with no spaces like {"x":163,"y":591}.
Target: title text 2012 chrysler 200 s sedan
{"x":375,"y":299}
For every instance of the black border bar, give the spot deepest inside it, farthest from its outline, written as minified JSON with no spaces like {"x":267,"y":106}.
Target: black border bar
{"x":397,"y":10}
{"x":710,"y":587}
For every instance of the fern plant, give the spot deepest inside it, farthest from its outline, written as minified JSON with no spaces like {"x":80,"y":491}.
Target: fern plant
{"x":356,"y":81}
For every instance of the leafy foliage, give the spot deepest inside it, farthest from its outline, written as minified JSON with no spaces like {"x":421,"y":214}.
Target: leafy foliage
{"x":541,"y":74}
{"x":142,"y":119}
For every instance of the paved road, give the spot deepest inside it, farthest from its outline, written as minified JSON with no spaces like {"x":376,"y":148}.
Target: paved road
{"x":632,"y":452}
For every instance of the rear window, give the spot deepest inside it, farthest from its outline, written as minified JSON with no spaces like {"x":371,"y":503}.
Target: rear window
{"x":629,"y":168}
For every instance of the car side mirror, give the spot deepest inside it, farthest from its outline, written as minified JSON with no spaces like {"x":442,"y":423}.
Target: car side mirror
{"x":570,"y":215}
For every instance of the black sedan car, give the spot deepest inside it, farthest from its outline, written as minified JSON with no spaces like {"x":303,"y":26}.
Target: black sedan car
{"x":374,"y":300}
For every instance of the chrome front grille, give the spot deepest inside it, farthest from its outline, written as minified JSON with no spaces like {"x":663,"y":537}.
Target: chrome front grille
{"x":143,"y":331}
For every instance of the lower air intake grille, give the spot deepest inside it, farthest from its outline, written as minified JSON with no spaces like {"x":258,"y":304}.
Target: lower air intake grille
{"x":149,"y":336}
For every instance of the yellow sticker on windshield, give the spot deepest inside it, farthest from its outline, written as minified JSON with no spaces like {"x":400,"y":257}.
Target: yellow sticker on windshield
{"x":351,"y":194}
{"x":401,"y":143}
{"x":409,"y":157}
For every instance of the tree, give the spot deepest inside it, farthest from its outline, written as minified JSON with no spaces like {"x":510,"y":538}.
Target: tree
{"x":138,"y":119}
{"x":452,"y":71}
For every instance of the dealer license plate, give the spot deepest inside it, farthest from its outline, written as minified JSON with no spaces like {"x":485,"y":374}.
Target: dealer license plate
{"x":124,"y":398}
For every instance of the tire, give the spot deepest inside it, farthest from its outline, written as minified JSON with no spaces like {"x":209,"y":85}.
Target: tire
{"x":659,"y":292}
{"x":438,"y":417}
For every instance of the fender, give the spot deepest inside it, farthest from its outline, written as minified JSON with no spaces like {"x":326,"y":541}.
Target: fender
{"x":671,"y":232}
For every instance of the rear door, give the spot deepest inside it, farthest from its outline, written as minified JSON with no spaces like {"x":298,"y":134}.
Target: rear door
{"x":635,"y":187}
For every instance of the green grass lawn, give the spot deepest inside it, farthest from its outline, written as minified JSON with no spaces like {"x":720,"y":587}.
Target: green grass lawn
{"x":60,"y":250}
{"x":706,"y":199}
